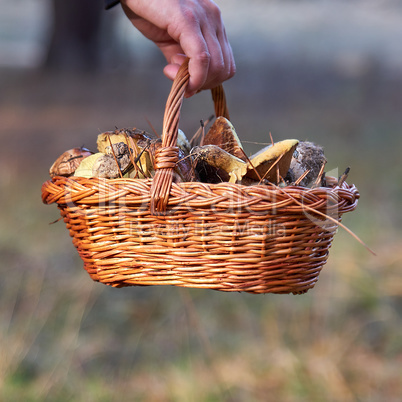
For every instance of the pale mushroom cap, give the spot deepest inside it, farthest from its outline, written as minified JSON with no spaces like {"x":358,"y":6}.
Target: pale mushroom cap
{"x":85,"y":167}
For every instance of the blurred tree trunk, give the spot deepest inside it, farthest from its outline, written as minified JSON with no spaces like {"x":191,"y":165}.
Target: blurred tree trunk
{"x":74,"y":41}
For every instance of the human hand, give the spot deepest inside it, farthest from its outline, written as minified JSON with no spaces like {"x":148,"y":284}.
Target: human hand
{"x":192,"y":28}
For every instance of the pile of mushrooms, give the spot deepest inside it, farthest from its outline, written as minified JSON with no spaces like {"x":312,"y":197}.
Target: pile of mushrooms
{"x":217,"y":156}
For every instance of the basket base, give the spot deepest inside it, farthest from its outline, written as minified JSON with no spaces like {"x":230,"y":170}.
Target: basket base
{"x":251,"y":278}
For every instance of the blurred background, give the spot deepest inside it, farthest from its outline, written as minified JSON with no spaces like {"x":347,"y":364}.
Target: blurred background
{"x":324,"y":71}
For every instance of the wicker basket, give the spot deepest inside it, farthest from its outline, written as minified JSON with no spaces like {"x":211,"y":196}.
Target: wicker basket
{"x":229,"y":237}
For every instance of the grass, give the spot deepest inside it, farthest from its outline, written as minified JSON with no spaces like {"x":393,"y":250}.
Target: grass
{"x":63,"y":337}
{"x":66,"y":338}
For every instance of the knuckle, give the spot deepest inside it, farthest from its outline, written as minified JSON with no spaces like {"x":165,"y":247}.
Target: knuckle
{"x":189,"y":15}
{"x":204,"y":58}
{"x":215,"y":11}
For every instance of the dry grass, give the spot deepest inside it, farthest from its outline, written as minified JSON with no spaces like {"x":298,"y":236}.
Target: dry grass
{"x":63,"y":337}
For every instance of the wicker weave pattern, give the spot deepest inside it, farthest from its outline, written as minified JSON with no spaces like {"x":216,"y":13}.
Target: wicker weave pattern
{"x":225,"y":236}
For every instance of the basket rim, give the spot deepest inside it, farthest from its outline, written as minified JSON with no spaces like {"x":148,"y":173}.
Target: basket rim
{"x":88,"y":191}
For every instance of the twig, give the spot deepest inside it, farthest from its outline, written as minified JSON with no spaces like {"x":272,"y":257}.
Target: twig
{"x":202,"y":133}
{"x":328,"y":217}
{"x":152,"y":127}
{"x":318,"y":180}
{"x":57,"y":220}
{"x":278,"y":176}
{"x":251,"y":164}
{"x":343,"y":177}
{"x":271,"y":167}
{"x":130,"y":141}
{"x":194,"y":138}
{"x":272,"y":140}
{"x":299,"y":180}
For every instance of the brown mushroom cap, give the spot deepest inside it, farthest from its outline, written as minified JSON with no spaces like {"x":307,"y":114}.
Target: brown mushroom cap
{"x":67,"y":163}
{"x":223,"y":134}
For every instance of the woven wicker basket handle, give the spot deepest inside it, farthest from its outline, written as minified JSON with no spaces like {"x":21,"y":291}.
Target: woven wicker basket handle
{"x":219,"y":98}
{"x":167,"y":156}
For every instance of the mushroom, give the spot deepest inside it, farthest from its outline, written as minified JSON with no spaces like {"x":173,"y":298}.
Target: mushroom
{"x":223,"y":134}
{"x":111,"y":165}
{"x":85,"y":167}
{"x":306,"y":157}
{"x":68,"y":162}
{"x":183,"y":143}
{"x":126,"y":135}
{"x":218,"y":164}
{"x":184,"y":171}
{"x":269,"y":161}
{"x":137,"y":140}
